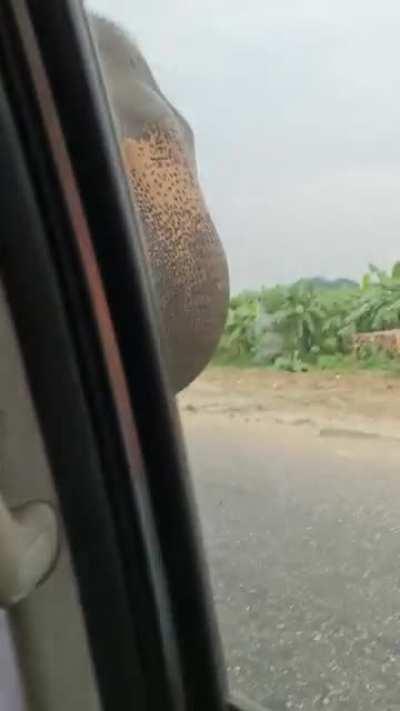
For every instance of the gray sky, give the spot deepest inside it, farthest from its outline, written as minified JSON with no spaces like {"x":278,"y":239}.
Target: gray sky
{"x":295,"y":106}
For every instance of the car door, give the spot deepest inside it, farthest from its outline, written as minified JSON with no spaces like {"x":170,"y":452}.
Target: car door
{"x":122,"y":617}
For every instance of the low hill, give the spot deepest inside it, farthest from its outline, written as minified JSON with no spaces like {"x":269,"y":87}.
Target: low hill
{"x":319,"y":282}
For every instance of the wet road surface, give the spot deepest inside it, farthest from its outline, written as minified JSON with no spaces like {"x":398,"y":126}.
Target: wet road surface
{"x":303,"y":537}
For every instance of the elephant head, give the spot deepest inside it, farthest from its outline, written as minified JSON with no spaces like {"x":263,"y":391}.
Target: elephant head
{"x":186,"y":258}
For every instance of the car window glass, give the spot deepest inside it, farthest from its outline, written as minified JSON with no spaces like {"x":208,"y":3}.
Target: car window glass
{"x":292,"y":426}
{"x":260,"y":146}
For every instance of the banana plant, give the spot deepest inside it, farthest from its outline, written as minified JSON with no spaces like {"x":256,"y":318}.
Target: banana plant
{"x":300,"y":319}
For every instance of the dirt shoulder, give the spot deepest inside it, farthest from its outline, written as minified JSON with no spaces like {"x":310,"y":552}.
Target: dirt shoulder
{"x":355,"y":405}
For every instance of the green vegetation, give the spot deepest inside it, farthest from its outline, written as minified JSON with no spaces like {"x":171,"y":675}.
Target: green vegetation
{"x":311,"y":324}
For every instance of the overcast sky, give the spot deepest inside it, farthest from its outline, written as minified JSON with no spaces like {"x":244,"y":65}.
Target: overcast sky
{"x":295,"y":106}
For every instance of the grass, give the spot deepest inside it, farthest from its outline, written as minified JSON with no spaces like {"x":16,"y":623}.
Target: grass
{"x":350,"y":363}
{"x":341,"y":363}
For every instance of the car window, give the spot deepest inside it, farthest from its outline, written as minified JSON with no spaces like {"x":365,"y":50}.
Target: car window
{"x":259,"y":144}
{"x":292,"y":426}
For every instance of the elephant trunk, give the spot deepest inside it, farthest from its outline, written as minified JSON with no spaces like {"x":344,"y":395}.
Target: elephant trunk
{"x":186,"y":257}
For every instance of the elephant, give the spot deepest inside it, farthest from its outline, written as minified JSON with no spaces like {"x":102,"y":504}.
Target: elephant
{"x":187,"y":262}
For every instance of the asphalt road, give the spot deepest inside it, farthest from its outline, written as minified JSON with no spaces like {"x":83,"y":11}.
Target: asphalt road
{"x":303,"y":537}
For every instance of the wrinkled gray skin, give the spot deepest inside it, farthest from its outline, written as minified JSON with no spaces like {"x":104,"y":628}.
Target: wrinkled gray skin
{"x":188,"y":265}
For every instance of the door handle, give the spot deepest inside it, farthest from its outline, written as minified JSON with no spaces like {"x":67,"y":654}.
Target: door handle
{"x":29,"y":543}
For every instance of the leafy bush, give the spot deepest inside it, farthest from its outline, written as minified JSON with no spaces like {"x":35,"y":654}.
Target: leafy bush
{"x":298,"y":326}
{"x":378,"y":305}
{"x":292,"y":363}
{"x":238,"y":337}
{"x":299,"y":319}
